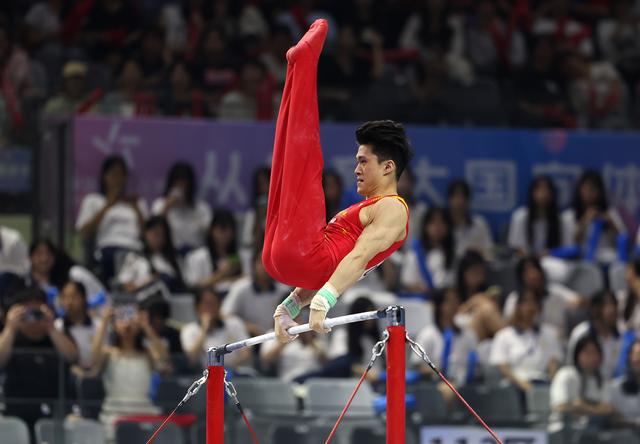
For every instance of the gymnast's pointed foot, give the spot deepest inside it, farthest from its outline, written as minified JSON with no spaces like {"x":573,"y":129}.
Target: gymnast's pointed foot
{"x":310,"y":45}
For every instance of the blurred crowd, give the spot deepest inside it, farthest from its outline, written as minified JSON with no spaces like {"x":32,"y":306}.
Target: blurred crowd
{"x":553,"y":301}
{"x":527,"y":63}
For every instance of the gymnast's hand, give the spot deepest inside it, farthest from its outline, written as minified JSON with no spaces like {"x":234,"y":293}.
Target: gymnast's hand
{"x":282,"y":323}
{"x":316,"y":321}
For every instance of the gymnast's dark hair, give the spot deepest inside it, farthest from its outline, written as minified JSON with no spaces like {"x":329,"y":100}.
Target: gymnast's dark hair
{"x":388,"y":141}
{"x":595,"y":178}
{"x":581,"y":345}
{"x":114,"y":160}
{"x":550,"y":213}
{"x":182,"y":171}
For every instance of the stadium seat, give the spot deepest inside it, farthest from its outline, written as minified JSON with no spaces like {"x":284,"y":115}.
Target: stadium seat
{"x":503,"y":275}
{"x":617,"y":278}
{"x":90,"y":396}
{"x":266,"y":396}
{"x":134,"y":432}
{"x":418,"y":314}
{"x":500,"y":406}
{"x":170,"y":392}
{"x":77,"y":431}
{"x":586,"y":279}
{"x":14,"y":430}
{"x":183,"y":308}
{"x":328,"y":396}
{"x":538,"y":404}
{"x":431,"y":408}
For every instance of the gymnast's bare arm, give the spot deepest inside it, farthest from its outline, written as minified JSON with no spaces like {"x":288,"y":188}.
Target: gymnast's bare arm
{"x":385,"y":223}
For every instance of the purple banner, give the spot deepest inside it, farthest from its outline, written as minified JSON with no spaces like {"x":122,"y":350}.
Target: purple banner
{"x":498,"y":164}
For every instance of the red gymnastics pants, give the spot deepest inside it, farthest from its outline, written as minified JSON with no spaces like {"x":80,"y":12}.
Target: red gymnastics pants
{"x":295,"y":250}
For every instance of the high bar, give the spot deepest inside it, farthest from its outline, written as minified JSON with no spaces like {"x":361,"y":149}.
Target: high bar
{"x":328,"y":323}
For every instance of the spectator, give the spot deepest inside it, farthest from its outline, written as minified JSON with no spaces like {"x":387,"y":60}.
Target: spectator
{"x":449,"y":346}
{"x":493,"y":45}
{"x":13,"y":252}
{"x":535,"y":228}
{"x":598,"y":95}
{"x":541,"y":99}
{"x":433,"y":28}
{"x":30,"y":349}
{"x":50,"y":269}
{"x":623,"y":392}
{"x":108,"y":29}
{"x":218,"y":263}
{"x":73,"y":99}
{"x":157,"y":262}
{"x":579,"y":389}
{"x":350,"y":346}
{"x":252,"y":98}
{"x":417,"y":208}
{"x":44,"y":20}
{"x":470,"y":231}
{"x":428,"y":265}
{"x":254,"y":298}
{"x":590,"y":222}
{"x":126,"y":364}
{"x":274,"y":58}
{"x":346,"y":74}
{"x":559,"y":304}
{"x":112,"y":217}
{"x":307,"y":354}
{"x":159,"y":312}
{"x":526,"y":351}
{"x":188,"y":216}
{"x":603,"y":325}
{"x":333,"y":193}
{"x":628,"y":298}
{"x":76,"y":322}
{"x":151,"y":57}
{"x":213,"y":329}
{"x":552,"y":19}
{"x":480,"y":309}
{"x":255,"y":218}
{"x":619,"y":40}
{"x":181,"y":99}
{"x":215,"y":67}
{"x":129,"y":99}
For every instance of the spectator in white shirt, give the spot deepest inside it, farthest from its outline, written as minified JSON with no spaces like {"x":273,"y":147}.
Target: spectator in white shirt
{"x":603,"y":325}
{"x":590,"y":222}
{"x":188,"y":216}
{"x":470,"y":231}
{"x":579,"y":389}
{"x":112,"y":217}
{"x":428,"y":263}
{"x":292,"y":359}
{"x":624,"y":392}
{"x":254,"y":298}
{"x":216,"y":264}
{"x":157,"y":261}
{"x":212,"y":329}
{"x":535,"y":228}
{"x":628,"y":298}
{"x":559,"y":303}
{"x":77,"y":323}
{"x":13,"y":252}
{"x":448,"y":345}
{"x":526,"y":351}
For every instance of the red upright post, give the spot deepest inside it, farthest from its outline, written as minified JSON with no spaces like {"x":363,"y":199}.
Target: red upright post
{"x":396,"y":417}
{"x":215,"y":399}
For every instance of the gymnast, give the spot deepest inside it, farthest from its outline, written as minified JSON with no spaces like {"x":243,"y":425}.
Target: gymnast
{"x":300,"y":249}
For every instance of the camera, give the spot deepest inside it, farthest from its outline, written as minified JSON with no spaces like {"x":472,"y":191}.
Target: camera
{"x":33,"y":315}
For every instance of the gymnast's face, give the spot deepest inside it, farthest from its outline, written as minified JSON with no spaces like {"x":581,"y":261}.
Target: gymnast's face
{"x":369,"y":170}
